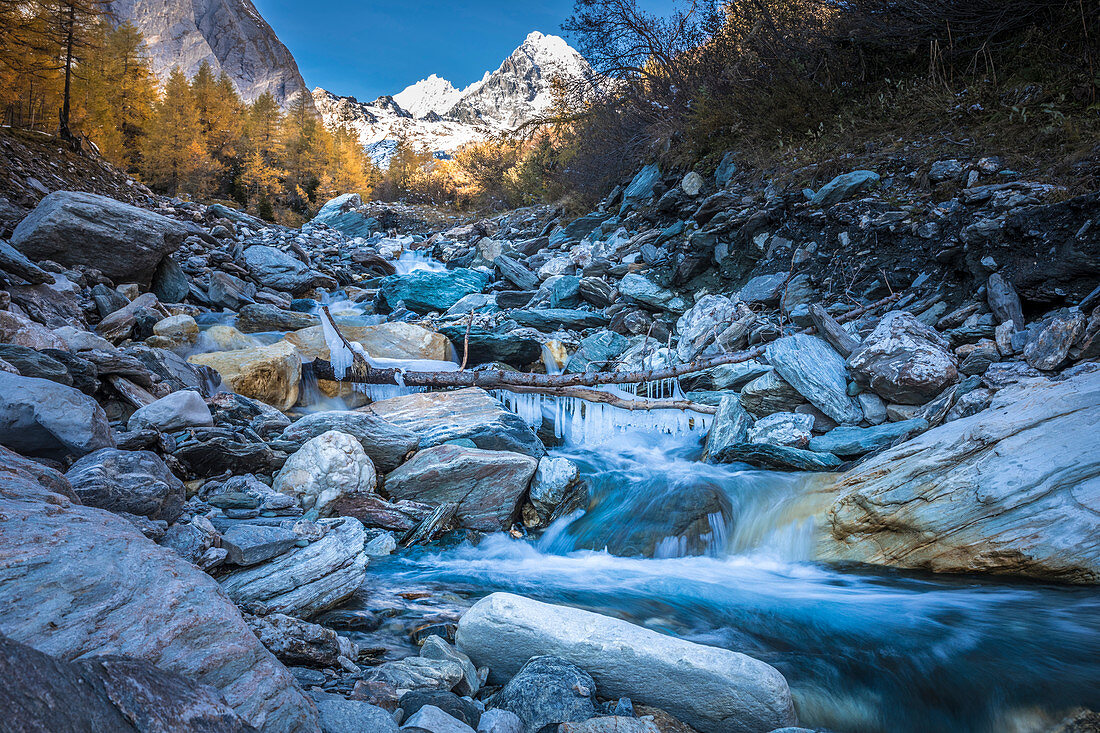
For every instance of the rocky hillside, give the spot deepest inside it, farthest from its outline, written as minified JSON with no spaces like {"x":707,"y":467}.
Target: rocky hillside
{"x":433,"y":115}
{"x":230,"y":35}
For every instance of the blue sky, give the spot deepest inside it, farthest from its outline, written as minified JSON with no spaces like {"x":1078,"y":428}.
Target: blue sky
{"x":365,"y":48}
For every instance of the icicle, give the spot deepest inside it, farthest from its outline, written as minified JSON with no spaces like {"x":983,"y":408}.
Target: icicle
{"x":340,"y":355}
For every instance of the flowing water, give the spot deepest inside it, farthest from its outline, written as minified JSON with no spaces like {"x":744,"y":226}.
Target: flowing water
{"x":722,"y":555}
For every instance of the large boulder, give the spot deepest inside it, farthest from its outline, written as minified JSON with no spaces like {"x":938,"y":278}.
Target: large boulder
{"x":814,"y":368}
{"x":481,"y":346}
{"x":306,"y":580}
{"x":76,"y":582}
{"x":326,"y":468}
{"x":134,"y":482}
{"x":1014,"y":489}
{"x":713,"y":690}
{"x":439,"y":417}
{"x":270,"y":374}
{"x":40,"y":693}
{"x":50,"y":420}
{"x":423,"y":291}
{"x":277,"y":270}
{"x":123,"y":242}
{"x":386,"y":444}
{"x":486,"y":485}
{"x":904,"y":361}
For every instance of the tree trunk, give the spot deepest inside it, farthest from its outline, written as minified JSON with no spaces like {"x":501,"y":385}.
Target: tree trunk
{"x":65,"y":132}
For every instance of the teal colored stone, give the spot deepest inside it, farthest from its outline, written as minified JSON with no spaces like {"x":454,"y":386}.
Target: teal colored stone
{"x":424,"y":291}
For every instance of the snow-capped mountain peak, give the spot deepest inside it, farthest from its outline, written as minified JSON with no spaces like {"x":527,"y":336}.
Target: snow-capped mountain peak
{"x":434,"y":94}
{"x":434,"y":115}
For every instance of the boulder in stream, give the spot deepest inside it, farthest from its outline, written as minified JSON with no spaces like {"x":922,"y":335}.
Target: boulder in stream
{"x":713,"y":690}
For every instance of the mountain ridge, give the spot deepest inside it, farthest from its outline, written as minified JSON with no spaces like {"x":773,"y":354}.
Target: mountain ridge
{"x":435,"y":115}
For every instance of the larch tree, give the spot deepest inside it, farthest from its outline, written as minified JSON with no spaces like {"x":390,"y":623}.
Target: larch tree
{"x":174,"y":155}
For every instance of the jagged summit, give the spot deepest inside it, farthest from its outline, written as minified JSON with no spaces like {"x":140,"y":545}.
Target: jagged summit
{"x":436,"y":115}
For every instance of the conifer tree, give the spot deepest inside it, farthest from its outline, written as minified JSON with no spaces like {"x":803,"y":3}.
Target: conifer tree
{"x":175,"y":159}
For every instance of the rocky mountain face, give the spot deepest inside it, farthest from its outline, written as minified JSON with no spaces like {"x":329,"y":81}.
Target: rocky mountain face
{"x":230,"y":34}
{"x":437,"y":116}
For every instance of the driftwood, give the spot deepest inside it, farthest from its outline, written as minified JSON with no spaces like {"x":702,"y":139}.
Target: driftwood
{"x":435,"y":524}
{"x":363,"y":373}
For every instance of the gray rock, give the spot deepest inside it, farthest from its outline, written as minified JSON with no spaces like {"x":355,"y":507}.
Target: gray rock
{"x":123,"y":242}
{"x":1010,"y":490}
{"x":352,"y":716}
{"x":294,"y":641}
{"x":169,"y":283}
{"x":551,"y":319}
{"x":641,"y":187}
{"x":765,"y":289}
{"x":1003,"y":301}
{"x":517,"y":273}
{"x":555,"y":484}
{"x":595,"y":352}
{"x":817,"y":372}
{"x":842,"y":187}
{"x":548,"y":690}
{"x":248,"y":544}
{"x":123,"y":586}
{"x":769,"y":393}
{"x":434,"y":720}
{"x":790,"y":429}
{"x":579,"y":228}
{"x":104,"y":694}
{"x":183,"y":409}
{"x":904,"y":361}
{"x":713,"y":690}
{"x":439,"y":417}
{"x":49,"y":420}
{"x":778,"y":457}
{"x":15,"y":262}
{"x":1049,"y":345}
{"x":702,"y":324}
{"x":260,"y":317}
{"x":135,"y":482}
{"x":648,"y":293}
{"x":486,"y":485}
{"x":386,"y":444}
{"x":850,"y":441}
{"x":413,"y":673}
{"x":730,"y":427}
{"x":438,"y":649}
{"x":305,"y":580}
{"x":228,"y":291}
{"x":31,"y":363}
{"x":499,"y":721}
{"x":277,"y":270}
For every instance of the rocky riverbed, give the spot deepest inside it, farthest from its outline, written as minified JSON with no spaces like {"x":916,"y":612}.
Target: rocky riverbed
{"x":202,"y":529}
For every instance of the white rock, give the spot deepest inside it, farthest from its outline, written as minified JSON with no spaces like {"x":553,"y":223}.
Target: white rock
{"x":325,"y":468}
{"x":713,"y":690}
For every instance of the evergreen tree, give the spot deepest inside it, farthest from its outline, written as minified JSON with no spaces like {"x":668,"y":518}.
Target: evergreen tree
{"x":175,"y":158}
